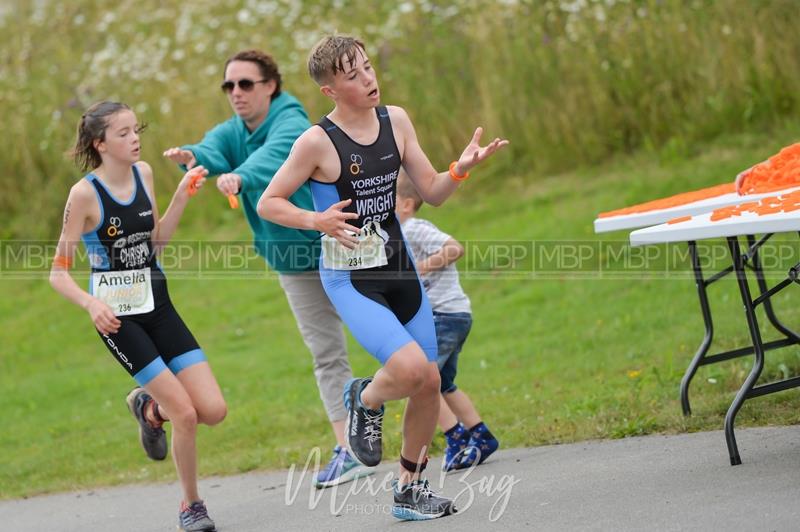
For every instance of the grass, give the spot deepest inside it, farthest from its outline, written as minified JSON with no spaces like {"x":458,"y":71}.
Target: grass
{"x":571,"y":82}
{"x":554,"y":356}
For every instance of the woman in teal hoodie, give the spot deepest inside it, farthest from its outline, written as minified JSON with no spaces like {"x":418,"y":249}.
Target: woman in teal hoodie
{"x":244,"y":152}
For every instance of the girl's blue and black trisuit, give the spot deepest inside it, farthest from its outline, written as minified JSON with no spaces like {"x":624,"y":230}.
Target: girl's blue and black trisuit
{"x":150,"y":342}
{"x":384,"y":307}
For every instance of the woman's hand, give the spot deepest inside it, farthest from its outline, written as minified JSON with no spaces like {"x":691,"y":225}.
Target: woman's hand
{"x":229,"y":184}
{"x":184,"y":157}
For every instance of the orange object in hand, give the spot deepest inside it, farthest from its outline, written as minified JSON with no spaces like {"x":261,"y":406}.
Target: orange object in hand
{"x":233,"y":201}
{"x":193,"y":184}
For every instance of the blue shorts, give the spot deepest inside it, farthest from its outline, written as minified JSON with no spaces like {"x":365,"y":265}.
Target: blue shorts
{"x":383,"y":312}
{"x":452,"y":330}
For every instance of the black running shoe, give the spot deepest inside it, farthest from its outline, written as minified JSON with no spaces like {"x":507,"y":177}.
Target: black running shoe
{"x":363,"y":426}
{"x":194,"y":518}
{"x":154,"y":440}
{"x":417,"y":502}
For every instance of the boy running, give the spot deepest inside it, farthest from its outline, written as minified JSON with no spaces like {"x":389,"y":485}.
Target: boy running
{"x":353,"y":159}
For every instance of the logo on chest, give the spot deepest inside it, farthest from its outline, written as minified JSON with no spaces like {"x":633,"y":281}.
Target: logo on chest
{"x":355,"y":163}
{"x":115,"y":226}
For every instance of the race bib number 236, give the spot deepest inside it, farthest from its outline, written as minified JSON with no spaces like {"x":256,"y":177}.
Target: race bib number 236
{"x":126,"y":292}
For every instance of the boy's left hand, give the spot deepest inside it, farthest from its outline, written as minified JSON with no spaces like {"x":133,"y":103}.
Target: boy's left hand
{"x":474,"y":154}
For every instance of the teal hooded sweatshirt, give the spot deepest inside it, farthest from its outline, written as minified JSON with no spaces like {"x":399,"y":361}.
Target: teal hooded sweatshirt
{"x":230,"y":148}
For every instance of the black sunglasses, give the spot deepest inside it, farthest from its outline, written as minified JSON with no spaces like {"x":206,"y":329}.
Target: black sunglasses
{"x":244,"y":84}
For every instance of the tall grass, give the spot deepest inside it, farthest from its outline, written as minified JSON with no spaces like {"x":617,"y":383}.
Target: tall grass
{"x":569,"y":82}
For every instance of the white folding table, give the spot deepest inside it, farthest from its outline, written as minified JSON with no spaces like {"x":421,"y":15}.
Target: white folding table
{"x":746,"y":225}
{"x":659,"y":216}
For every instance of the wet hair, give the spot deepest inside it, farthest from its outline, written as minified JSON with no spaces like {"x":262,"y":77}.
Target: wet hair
{"x":266,"y":65}
{"x":91,"y":127}
{"x":329,"y":55}
{"x":406,"y":189}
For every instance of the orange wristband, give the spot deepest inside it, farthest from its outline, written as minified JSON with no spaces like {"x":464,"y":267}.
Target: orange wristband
{"x":62,"y":262}
{"x":454,"y":176}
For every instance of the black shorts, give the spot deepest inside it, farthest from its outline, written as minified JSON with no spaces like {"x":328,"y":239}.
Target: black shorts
{"x":147,"y":344}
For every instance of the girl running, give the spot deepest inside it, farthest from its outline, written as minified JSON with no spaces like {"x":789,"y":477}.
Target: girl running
{"x":113,"y":210}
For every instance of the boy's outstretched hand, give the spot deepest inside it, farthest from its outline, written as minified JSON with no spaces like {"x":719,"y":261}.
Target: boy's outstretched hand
{"x":474,"y":154}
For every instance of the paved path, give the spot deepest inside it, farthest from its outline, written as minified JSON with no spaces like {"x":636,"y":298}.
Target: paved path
{"x":680,"y":482}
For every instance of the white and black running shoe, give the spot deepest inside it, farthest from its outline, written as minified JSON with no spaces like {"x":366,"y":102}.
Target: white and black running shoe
{"x":363,"y":427}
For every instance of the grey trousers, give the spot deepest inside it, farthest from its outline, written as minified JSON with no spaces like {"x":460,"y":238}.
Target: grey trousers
{"x":323,"y":334}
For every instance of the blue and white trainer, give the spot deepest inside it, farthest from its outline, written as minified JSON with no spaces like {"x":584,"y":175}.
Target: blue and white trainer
{"x":341,"y":468}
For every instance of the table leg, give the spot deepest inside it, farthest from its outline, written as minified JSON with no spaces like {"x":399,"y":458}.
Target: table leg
{"x":702,"y":294}
{"x":762,"y":286}
{"x":755,"y":335}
